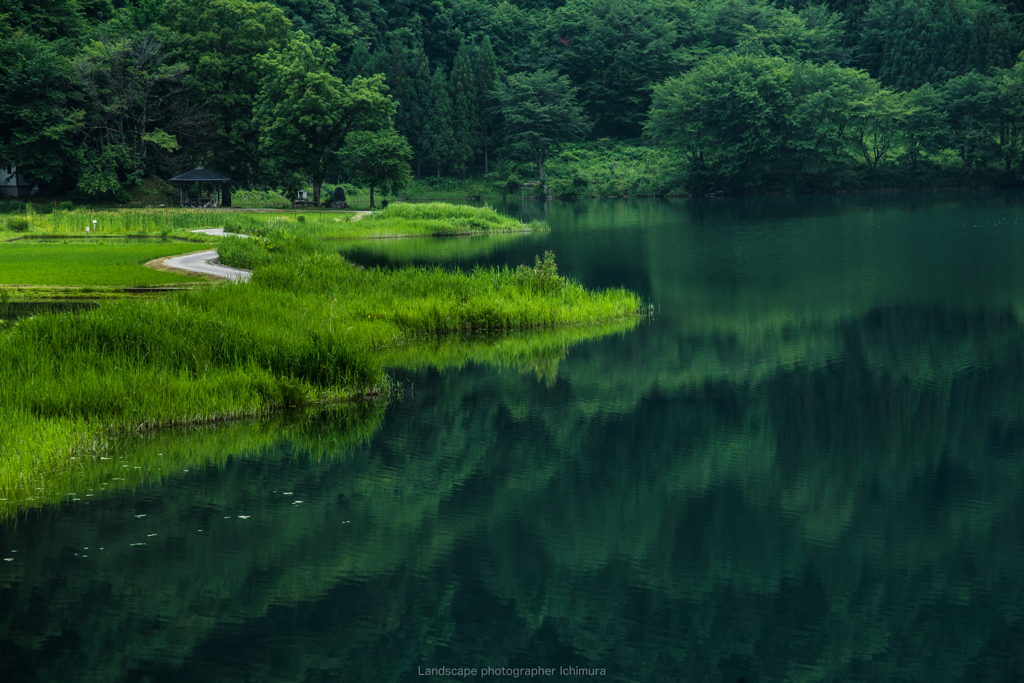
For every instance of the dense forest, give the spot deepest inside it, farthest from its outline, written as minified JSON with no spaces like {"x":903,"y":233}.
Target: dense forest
{"x":591,"y":97}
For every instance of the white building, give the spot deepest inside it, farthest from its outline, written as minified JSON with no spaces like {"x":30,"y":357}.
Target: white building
{"x":13,"y":185}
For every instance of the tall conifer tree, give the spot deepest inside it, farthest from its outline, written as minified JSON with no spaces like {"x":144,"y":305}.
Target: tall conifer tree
{"x":379,"y":61}
{"x":399,"y":81}
{"x":359,"y":62}
{"x":439,"y":136}
{"x":485,"y":68}
{"x":419,"y":67}
{"x":464,"y":110}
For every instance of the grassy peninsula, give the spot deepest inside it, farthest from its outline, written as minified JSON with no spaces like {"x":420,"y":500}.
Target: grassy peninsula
{"x":54,"y":250}
{"x":309,"y":329}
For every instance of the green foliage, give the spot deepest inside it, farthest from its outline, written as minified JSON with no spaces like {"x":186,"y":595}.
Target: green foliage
{"x":439,"y":131}
{"x":123,"y":87}
{"x":378,"y":158}
{"x":613,"y":51}
{"x":16,"y":225}
{"x":485,"y":70}
{"x":53,"y":19}
{"x":252,"y":253}
{"x":109,"y":171}
{"x":973,"y":107}
{"x":220,"y":41}
{"x":750,"y":123}
{"x":606,"y":168}
{"x":12,"y":206}
{"x":540,"y":114}
{"x":39,"y":123}
{"x":255,"y":89}
{"x":305,"y":114}
{"x":543,"y":275}
{"x":907,"y":43}
{"x":730,"y":117}
{"x":321,"y":19}
{"x":812,"y":34}
{"x":512,"y":184}
{"x":465,"y":110}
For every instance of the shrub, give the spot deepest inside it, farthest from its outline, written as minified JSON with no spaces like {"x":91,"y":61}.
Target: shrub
{"x":512,"y":185}
{"x":17,"y":225}
{"x":66,"y":206}
{"x":301,"y":219}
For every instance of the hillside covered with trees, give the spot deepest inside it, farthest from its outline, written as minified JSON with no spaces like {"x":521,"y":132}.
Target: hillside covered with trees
{"x":594,"y":97}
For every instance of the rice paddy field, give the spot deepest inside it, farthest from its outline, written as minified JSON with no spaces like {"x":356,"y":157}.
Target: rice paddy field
{"x":89,"y":263}
{"x":309,"y":329}
{"x":155,"y":222}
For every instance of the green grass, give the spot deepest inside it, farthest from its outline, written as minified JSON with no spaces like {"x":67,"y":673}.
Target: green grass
{"x":432,"y":219}
{"x":394,"y":221}
{"x":92,"y":263}
{"x":435,"y":250}
{"x":155,"y":222}
{"x":308,"y":329}
{"x":438,"y":218}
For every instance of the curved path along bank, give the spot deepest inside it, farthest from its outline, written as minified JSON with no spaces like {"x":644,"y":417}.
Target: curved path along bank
{"x":205,"y":262}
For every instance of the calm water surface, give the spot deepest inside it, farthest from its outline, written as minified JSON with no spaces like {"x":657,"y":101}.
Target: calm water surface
{"x":807,"y":465}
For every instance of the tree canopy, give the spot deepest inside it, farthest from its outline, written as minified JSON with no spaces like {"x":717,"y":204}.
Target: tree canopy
{"x":747,"y":95}
{"x":540,"y":114}
{"x":305,"y":115}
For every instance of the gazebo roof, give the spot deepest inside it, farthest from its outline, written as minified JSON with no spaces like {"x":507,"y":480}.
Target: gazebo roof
{"x":199,"y":174}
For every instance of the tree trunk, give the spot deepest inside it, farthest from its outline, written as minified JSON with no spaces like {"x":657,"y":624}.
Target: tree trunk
{"x":317,"y":186}
{"x":371,"y":196}
{"x":540,"y":166}
{"x":486,"y":168}
{"x":439,"y":170}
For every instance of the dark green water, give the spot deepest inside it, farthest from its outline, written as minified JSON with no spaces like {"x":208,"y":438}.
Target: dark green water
{"x":807,"y":465}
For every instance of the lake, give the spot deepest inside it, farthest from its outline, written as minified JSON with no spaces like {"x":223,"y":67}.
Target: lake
{"x":806,"y":464}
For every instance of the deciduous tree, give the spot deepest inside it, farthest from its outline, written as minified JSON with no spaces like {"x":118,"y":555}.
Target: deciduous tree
{"x":304,"y":114}
{"x":220,"y":40}
{"x":378,"y":158}
{"x":540,"y":114}
{"x":39,"y":123}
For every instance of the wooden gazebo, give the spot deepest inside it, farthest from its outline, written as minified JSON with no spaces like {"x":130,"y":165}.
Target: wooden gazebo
{"x":217,"y":191}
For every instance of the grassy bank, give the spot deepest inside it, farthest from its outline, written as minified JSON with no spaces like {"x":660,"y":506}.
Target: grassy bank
{"x":113,"y":252}
{"x":308,"y":329}
{"x":438,"y":219}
